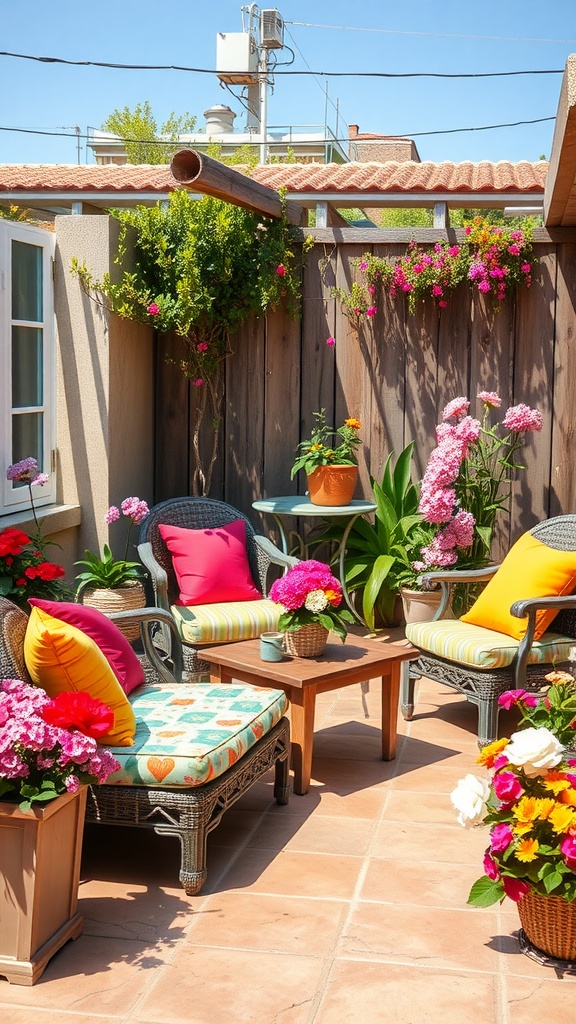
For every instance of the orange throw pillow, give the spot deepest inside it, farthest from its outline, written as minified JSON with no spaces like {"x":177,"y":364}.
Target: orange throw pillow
{"x":530,"y":569}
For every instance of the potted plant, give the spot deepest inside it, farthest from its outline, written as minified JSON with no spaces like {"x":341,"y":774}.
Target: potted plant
{"x":115,"y":584}
{"x":311,"y":598}
{"x":331,"y":467}
{"x":48,"y":754}
{"x":529,"y":803}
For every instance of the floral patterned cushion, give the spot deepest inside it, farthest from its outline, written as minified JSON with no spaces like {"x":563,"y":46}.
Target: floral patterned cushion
{"x":226,"y":622}
{"x":482,"y":648}
{"x":190,"y":733}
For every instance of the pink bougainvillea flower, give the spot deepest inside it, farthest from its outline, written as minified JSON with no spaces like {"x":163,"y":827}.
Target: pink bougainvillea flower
{"x":371,"y":311}
{"x":330,"y":342}
{"x":198,"y":382}
{"x":281,"y":269}
{"x":526,"y":268}
{"x":153,"y":309}
{"x":202,"y":347}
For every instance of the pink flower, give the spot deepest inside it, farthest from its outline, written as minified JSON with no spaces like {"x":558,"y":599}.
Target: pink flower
{"x":371,"y":311}
{"x":490,"y":867}
{"x":490,"y":398}
{"x":112,"y":514}
{"x":507,"y":787}
{"x":521,"y":418}
{"x":153,"y":309}
{"x":457,"y":407}
{"x":500,"y":837}
{"x":24,"y":471}
{"x":514,"y":250}
{"x":568,"y":848}
{"x":436,"y":290}
{"x":198,"y":382}
{"x":511,"y":697}
{"x":442,"y":303}
{"x":330,"y":342}
{"x":453,"y":250}
{"x":135,"y":509}
{"x":202,"y":347}
{"x":484,"y":286}
{"x":514,"y":888}
{"x":40,"y":480}
{"x":467,"y":230}
{"x":281,"y":269}
{"x":526,"y":268}
{"x":437,"y":506}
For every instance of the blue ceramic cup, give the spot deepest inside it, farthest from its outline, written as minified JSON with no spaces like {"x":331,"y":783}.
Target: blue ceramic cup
{"x":271,"y":646}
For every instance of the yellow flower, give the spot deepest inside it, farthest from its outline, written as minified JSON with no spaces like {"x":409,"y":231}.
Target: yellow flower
{"x":527,"y":811}
{"x":567,"y":796}
{"x":559,"y":677}
{"x":315,"y":447}
{"x":562,"y":818}
{"x":489,"y":753}
{"x":353,"y":423}
{"x":527,"y":850}
{"x":556,"y":782}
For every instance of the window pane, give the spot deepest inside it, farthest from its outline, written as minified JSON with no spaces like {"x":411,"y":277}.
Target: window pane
{"x":27,"y":438}
{"x":27,"y":367}
{"x":26,"y":281}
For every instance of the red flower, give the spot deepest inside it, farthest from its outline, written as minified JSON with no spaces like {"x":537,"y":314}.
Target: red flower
{"x":79,"y":711}
{"x":49,"y":571}
{"x":12,"y":541}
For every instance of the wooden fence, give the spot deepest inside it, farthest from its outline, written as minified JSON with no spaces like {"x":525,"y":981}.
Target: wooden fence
{"x":395,"y":376}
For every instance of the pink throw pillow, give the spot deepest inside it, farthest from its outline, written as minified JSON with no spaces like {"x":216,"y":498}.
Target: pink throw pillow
{"x":211,"y":565}
{"x":105,"y":634}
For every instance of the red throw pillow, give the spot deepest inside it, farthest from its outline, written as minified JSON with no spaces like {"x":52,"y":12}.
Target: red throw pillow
{"x":105,"y":634}
{"x":211,"y":565}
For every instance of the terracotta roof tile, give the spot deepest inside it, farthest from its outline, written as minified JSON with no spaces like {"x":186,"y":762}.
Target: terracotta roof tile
{"x":392,"y":176}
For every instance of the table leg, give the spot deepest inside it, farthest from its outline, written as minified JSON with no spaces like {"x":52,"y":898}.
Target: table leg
{"x":302,"y":706}
{"x":390,"y":699}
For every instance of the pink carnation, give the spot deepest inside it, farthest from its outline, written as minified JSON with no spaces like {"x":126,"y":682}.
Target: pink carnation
{"x":521,"y":418}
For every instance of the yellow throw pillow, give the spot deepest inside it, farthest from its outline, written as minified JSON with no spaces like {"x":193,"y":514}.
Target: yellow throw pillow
{"x":61,"y":658}
{"x":530,"y":569}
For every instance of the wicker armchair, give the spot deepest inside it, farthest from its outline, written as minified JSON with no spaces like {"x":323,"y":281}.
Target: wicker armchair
{"x":529,"y":660}
{"x":186,"y":811}
{"x":200,"y":514}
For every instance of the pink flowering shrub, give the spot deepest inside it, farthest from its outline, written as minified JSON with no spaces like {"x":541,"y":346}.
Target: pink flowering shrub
{"x":309,"y":593}
{"x":467,"y":481}
{"x":49,"y":747}
{"x":110,"y":572}
{"x":499,"y":258}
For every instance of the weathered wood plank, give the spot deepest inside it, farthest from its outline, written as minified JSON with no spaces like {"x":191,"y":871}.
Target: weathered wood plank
{"x":563,"y":461}
{"x":172,"y":453}
{"x":244,"y":421}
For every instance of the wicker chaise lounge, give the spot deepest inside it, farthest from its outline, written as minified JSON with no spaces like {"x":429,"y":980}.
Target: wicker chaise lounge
{"x":227,"y":739}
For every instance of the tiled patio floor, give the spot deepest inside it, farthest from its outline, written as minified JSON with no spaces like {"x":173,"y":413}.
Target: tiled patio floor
{"x":348,"y":905}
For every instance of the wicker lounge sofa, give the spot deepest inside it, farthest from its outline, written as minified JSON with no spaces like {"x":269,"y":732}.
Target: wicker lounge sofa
{"x":228,"y":737}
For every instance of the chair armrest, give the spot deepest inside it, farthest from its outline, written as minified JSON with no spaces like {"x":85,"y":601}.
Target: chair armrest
{"x":523,"y":608}
{"x":273,"y":553}
{"x":147,"y":617}
{"x":157,"y":574}
{"x":453,"y":576}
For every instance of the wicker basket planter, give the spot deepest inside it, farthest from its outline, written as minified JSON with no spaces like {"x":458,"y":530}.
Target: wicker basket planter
{"x":40,"y":852}
{"x":122,"y":599}
{"x":306,"y":642}
{"x":549,"y":924}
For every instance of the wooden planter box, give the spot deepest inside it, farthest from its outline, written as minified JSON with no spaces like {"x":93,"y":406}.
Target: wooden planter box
{"x":40,"y":854}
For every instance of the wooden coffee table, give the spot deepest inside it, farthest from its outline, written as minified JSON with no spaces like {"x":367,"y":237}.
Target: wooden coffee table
{"x":302,"y":678}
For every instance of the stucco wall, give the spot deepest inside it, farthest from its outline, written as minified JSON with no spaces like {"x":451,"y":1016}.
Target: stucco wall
{"x":104,"y":390}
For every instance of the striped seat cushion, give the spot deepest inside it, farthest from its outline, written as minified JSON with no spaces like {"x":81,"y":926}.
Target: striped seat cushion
{"x":482,"y":648}
{"x":188,"y":734}
{"x":222,"y":623}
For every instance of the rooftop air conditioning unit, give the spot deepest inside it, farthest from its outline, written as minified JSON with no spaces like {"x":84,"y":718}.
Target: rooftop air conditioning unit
{"x":271,"y":30}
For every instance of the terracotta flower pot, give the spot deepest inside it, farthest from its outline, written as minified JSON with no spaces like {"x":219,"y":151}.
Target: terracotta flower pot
{"x":40,"y":853}
{"x":332,"y":485}
{"x":420,"y":605}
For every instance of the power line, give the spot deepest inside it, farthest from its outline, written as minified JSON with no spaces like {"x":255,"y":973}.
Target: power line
{"x":160,"y":142}
{"x":433,"y":35}
{"x":326,"y":74}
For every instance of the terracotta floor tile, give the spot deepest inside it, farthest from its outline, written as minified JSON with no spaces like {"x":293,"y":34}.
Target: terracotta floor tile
{"x":141,"y":913}
{"x":294,"y":874}
{"x":447,"y":844}
{"x":422,"y":936}
{"x":278,"y":924}
{"x":206,"y":984}
{"x":436,"y":808}
{"x":419,"y":883}
{"x":374,"y":992}
{"x":531,"y":1000}
{"x":314,"y":834}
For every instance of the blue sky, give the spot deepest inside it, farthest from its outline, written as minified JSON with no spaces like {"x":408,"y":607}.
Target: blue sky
{"x":371,"y":35}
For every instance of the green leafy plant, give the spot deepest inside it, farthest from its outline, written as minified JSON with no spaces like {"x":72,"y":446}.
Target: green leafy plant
{"x":318,"y":451}
{"x":201,"y":268}
{"x":379,"y":554}
{"x":529,"y":801}
{"x":144,"y":142}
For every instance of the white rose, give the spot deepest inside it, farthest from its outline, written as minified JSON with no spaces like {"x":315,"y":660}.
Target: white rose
{"x":534,"y":750}
{"x":470,"y":798}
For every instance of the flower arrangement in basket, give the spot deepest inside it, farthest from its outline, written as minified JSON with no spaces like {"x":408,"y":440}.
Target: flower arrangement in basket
{"x":49,"y":747}
{"x":529,"y":803}
{"x":311,"y":597}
